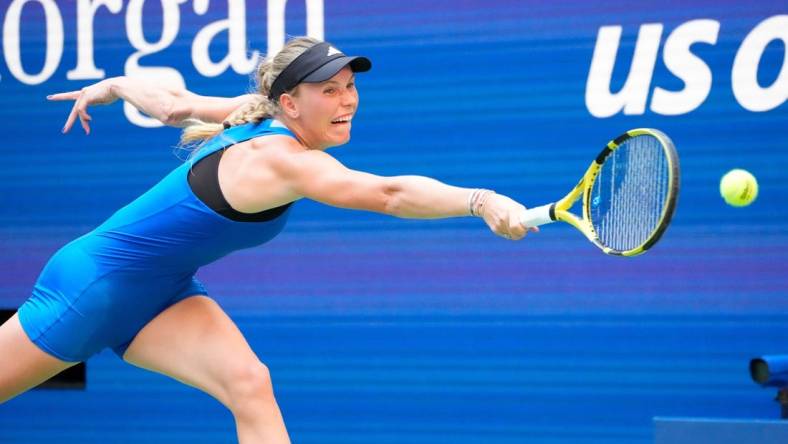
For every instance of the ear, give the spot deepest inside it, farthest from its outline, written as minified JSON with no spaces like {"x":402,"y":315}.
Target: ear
{"x":289,"y":106}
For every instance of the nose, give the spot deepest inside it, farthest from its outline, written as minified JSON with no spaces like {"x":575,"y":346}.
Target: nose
{"x":349,"y":98}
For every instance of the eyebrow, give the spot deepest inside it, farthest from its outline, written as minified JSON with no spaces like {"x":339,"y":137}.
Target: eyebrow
{"x":353,"y":78}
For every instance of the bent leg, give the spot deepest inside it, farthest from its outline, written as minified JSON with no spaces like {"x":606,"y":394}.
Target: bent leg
{"x":195,"y":342}
{"x":22,"y":364}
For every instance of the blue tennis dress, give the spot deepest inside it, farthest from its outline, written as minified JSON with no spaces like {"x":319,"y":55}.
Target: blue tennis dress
{"x":101,"y":289}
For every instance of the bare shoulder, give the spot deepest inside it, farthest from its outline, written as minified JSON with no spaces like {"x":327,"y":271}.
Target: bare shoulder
{"x":287,"y":157}
{"x":276,"y":169}
{"x":249,"y":174}
{"x":275,"y":149}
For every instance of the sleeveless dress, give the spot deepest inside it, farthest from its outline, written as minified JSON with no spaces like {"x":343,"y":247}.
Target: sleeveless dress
{"x":101,"y":289}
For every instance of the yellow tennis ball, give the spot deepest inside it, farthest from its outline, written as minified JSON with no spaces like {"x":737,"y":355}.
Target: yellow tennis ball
{"x":738,"y":187}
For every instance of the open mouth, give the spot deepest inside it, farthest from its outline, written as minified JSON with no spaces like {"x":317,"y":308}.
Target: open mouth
{"x":342,"y":120}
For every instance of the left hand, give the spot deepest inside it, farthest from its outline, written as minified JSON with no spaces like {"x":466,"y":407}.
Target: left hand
{"x":96,"y":94}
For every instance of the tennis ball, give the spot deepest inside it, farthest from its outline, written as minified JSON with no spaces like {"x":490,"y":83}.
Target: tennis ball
{"x":738,"y":187}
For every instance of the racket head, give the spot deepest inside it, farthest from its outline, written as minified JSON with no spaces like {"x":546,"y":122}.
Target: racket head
{"x":630,"y":192}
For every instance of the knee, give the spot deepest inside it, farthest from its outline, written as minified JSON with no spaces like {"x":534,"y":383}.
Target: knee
{"x":249,"y":385}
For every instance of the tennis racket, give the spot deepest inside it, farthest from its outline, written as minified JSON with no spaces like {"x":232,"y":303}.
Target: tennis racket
{"x":629,"y":194}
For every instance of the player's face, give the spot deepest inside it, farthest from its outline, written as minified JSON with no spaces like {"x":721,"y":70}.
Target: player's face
{"x":326,"y":109}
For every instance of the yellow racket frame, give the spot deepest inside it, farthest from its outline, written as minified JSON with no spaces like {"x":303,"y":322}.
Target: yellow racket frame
{"x":559,"y":211}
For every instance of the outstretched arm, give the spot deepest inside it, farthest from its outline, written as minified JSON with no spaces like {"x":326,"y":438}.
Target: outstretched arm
{"x":318,"y":176}
{"x":171,"y":106}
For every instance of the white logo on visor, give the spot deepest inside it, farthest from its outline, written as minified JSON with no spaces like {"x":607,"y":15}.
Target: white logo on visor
{"x":332,"y":51}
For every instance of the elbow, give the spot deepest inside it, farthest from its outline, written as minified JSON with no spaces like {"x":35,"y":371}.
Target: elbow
{"x":168,"y":113}
{"x":174,"y":116}
{"x":392,"y":197}
{"x":174,"y":109}
{"x":170,"y":119}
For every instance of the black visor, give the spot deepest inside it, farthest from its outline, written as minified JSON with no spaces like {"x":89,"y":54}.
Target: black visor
{"x":317,"y":64}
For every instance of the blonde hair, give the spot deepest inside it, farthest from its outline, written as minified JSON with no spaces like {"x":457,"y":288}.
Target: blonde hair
{"x":257,"y":110}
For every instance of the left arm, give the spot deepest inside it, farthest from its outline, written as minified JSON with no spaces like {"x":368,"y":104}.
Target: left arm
{"x":171,"y":106}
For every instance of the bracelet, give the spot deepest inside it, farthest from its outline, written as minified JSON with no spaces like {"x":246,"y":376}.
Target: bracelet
{"x":480,"y":194}
{"x":479,"y":210}
{"x":472,"y":200}
{"x":477,"y":200}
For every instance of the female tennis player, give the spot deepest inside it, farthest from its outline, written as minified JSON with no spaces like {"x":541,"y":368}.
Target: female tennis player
{"x":129,"y":284}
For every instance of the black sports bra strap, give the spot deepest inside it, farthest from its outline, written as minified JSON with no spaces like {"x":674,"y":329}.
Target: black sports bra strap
{"x":204,"y":182}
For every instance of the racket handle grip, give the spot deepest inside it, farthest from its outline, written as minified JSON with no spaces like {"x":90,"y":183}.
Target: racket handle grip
{"x":533,"y":217}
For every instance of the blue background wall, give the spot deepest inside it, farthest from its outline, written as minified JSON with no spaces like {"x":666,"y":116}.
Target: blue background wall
{"x":380,"y":330}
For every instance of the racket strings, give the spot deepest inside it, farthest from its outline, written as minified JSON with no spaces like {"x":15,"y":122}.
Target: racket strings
{"x":630,"y":193}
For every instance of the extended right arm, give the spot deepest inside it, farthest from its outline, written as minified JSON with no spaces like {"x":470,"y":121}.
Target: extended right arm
{"x":318,"y":176}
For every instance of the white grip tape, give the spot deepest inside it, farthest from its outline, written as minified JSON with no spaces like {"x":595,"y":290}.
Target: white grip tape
{"x":533,"y":217}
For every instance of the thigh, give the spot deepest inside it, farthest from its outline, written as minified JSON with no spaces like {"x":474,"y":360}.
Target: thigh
{"x":195,"y":342}
{"x":83,"y":302}
{"x":22,"y":364}
{"x":75,"y":320}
